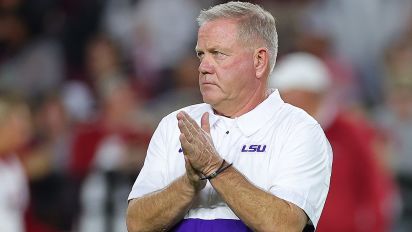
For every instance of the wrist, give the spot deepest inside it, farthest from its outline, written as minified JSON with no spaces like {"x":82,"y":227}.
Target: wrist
{"x":193,"y":186}
{"x":223,"y":166}
{"x":189,"y":186}
{"x":213,"y":167}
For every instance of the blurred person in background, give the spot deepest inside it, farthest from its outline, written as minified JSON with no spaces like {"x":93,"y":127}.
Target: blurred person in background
{"x":156,"y":45}
{"x":30,"y":63}
{"x":48,"y":168}
{"x":361,"y":195}
{"x":138,"y":27}
{"x":118,"y":105}
{"x":349,"y":24}
{"x":343,"y":81}
{"x":103,"y":62}
{"x":183,"y":91}
{"x":394,"y":117}
{"x":105,"y":153}
{"x":15,"y":133}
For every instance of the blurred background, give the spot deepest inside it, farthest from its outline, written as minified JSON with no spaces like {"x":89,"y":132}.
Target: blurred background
{"x":83,"y":84}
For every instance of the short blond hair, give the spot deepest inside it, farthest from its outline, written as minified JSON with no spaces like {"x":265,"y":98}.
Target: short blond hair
{"x":254,"y":23}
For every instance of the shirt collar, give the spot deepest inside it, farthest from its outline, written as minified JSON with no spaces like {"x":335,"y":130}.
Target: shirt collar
{"x":253,"y":120}
{"x":213,"y":118}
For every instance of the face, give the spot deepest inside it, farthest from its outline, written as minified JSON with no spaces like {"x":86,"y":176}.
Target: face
{"x":227,"y":76}
{"x":306,"y":100}
{"x":15,"y":131}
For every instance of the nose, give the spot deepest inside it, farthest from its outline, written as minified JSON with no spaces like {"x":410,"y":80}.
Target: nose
{"x":206,"y":65}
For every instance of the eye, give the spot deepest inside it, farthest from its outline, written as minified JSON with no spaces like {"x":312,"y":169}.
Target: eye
{"x":218,"y":54}
{"x":199,"y":54}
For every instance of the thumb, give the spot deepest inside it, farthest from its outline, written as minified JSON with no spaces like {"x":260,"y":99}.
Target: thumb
{"x":205,"y":122}
{"x":188,"y":166}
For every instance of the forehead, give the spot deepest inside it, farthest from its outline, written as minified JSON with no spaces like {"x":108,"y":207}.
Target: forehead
{"x":217,"y":32}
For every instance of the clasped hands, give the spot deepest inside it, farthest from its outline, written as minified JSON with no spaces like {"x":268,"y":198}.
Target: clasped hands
{"x":201,"y":157}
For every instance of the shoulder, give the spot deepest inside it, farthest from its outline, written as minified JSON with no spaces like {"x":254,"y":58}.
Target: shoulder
{"x":292,"y":118}
{"x":299,"y":129}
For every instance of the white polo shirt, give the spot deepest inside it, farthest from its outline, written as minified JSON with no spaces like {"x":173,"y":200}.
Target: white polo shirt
{"x":276,"y":146}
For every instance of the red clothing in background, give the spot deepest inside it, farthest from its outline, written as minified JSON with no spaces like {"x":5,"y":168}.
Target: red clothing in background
{"x":358,"y":198}
{"x":87,"y":139}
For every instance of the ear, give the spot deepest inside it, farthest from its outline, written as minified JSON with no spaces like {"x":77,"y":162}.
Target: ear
{"x":261,"y":61}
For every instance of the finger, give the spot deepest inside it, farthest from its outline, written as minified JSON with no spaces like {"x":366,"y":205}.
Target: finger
{"x":180,"y":115}
{"x":186,"y":146}
{"x":197,"y":135}
{"x":191,"y":126}
{"x":189,"y":167}
{"x":191,"y":123}
{"x":204,"y":122}
{"x":185,"y":130}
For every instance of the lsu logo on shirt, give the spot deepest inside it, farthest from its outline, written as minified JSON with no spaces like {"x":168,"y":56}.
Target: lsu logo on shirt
{"x":245,"y":148}
{"x":254,"y":148}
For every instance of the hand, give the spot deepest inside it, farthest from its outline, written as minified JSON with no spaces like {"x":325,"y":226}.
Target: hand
{"x":197,"y":143}
{"x":193,"y":177}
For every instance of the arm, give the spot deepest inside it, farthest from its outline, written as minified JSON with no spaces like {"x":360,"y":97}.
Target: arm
{"x":258,"y":209}
{"x":162,"y":209}
{"x":154,"y":203}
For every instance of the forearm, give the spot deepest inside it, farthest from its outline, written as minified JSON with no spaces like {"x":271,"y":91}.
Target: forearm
{"x":160,"y":210}
{"x":259,"y":210}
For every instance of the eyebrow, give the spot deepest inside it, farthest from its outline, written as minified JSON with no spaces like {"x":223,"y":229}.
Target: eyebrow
{"x":213,"y":48}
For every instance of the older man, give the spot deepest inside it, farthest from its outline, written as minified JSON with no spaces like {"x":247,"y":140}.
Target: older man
{"x":254,"y":163}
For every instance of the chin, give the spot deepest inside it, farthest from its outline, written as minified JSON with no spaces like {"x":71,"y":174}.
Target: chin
{"x":211,"y":100}
{"x":207,"y":100}
{"x":211,"y":96}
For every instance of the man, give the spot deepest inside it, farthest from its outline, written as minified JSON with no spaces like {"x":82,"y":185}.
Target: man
{"x":361,"y":191}
{"x":254,"y":163}
{"x":14,"y":134}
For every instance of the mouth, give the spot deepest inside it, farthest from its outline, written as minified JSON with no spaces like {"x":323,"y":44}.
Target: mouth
{"x":207,"y":83}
